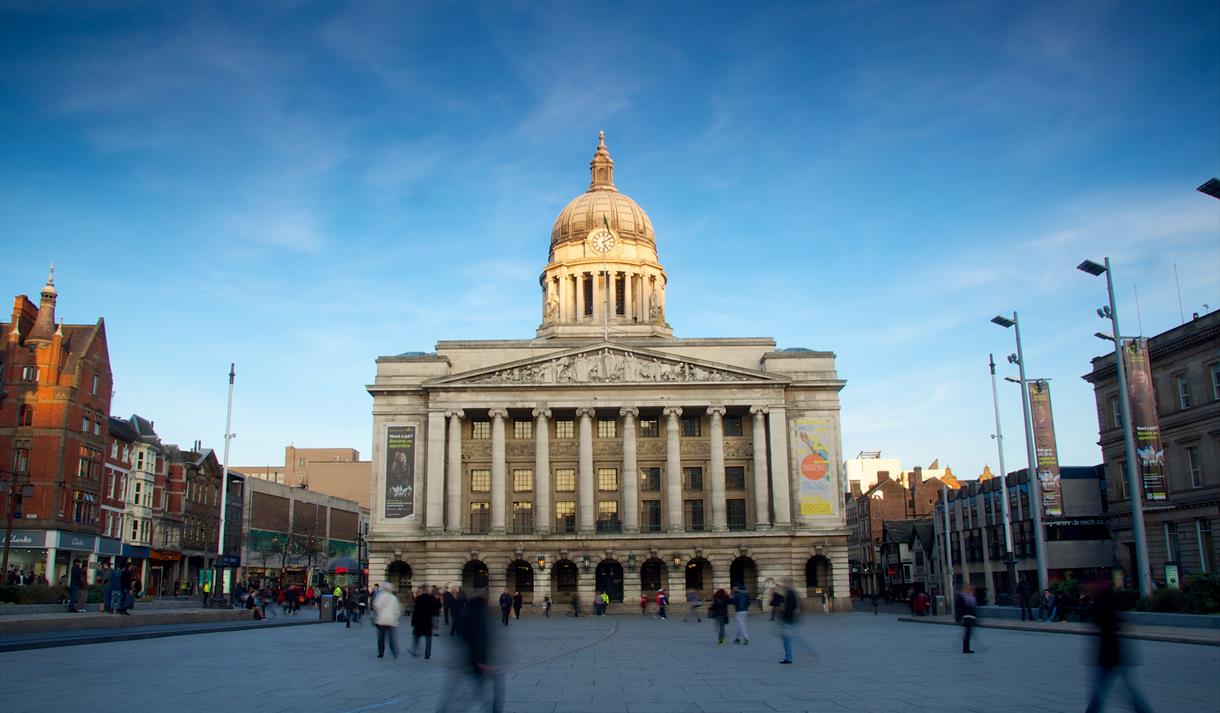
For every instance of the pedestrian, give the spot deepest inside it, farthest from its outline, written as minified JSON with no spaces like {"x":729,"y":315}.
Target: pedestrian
{"x":115,"y":594}
{"x":741,"y":603}
{"x":103,"y":580}
{"x":459,"y":608}
{"x":719,"y":612}
{"x":207,"y":593}
{"x":876,"y":603}
{"x":350,"y":606}
{"x":1109,"y":648}
{"x":506,"y":603}
{"x":777,"y":602}
{"x":1025,"y":593}
{"x":126,"y":579}
{"x":76,"y":584}
{"x":605,"y":601}
{"x":546,"y":606}
{"x":386,"y":612}
{"x":1049,"y":609}
{"x":964,"y":608}
{"x":362,"y":604}
{"x":422,"y":618}
{"x":643,"y":603}
{"x":436,"y":613}
{"x":480,"y":660}
{"x":695,"y":604}
{"x":576,"y":604}
{"x":787,"y":621}
{"x":662,"y":603}
{"x":447,"y":604}
{"x":518,"y":602}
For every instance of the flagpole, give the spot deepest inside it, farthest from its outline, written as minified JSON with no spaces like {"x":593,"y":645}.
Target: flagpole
{"x":224,"y":479}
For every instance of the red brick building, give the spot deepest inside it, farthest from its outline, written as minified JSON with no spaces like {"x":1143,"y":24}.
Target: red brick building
{"x":54,"y":407}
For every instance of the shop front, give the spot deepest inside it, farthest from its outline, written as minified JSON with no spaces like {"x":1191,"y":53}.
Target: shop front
{"x":138,"y":556}
{"x":28,"y":550}
{"x":163,"y":572}
{"x":109,"y":553}
{"x":69,"y":546}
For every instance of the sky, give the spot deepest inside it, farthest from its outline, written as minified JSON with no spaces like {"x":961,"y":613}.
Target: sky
{"x":301,"y":187}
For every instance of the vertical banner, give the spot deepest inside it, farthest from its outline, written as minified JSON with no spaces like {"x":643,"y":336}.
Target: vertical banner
{"x":400,"y":472}
{"x":811,"y":439}
{"x":1045,"y":448}
{"x":1149,"y":452}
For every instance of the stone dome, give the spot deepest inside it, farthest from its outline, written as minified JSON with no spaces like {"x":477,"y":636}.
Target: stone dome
{"x":602,"y":202}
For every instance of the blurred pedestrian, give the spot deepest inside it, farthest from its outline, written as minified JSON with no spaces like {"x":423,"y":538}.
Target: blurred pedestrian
{"x":447,"y":604}
{"x":719,"y":612}
{"x":787,"y":621}
{"x":479,"y":663}
{"x":643,"y":603}
{"x":546,"y":606}
{"x":506,"y":603}
{"x":605,"y":601}
{"x":695,"y":604}
{"x":426,"y":607}
{"x":459,"y":609}
{"x":386,"y":613}
{"x":741,"y":603}
{"x":518,"y":602}
{"x":777,"y":602}
{"x":964,"y":607}
{"x":1110,"y":664}
{"x":662,"y":603}
{"x":436,"y":612}
{"x":1025,"y":593}
{"x":1048,"y":610}
{"x":76,"y":582}
{"x":576,"y":604}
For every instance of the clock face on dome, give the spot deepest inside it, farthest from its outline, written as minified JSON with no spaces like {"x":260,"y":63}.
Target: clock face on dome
{"x":602,"y":241}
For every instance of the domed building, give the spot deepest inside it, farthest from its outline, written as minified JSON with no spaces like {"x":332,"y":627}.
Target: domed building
{"x":605,"y":454}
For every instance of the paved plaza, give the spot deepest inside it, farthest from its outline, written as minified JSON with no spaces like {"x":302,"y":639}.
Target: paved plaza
{"x":860,"y":662}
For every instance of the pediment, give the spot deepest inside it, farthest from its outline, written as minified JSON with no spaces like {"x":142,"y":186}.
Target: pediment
{"x":608,"y":363}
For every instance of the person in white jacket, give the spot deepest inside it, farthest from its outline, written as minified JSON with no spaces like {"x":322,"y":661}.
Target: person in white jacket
{"x":386,"y":612}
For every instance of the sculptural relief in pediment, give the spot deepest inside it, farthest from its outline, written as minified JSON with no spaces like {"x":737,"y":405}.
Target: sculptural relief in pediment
{"x":608,"y":366}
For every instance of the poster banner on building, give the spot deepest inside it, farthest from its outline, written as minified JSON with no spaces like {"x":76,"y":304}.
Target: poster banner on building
{"x":1149,"y":452}
{"x":1046,"y":448}
{"x":812,"y":441}
{"x":400,"y":472}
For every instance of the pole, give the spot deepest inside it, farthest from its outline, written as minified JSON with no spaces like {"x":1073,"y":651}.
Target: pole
{"x":949,"y":594}
{"x":1009,"y":560}
{"x":1133,"y":480}
{"x":224,"y":480}
{"x":1035,"y":487}
{"x":606,"y":311}
{"x":8,"y":528}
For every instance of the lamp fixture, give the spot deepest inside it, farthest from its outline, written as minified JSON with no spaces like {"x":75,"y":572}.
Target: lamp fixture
{"x":1092,"y":268}
{"x":1103,"y":336}
{"x":677,"y":560}
{"x":1002,"y":321}
{"x":541,"y":563}
{"x":584,"y":562}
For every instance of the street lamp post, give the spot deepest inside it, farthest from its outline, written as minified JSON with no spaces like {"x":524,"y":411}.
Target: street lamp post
{"x":1133,"y":480}
{"x":1009,"y":560}
{"x":1035,"y":487}
{"x":224,"y":488}
{"x":27,"y":491}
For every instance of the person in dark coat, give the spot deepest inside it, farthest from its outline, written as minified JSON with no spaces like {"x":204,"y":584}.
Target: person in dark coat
{"x":518,"y":602}
{"x":459,"y":607}
{"x":964,"y":606}
{"x":447,"y":605}
{"x":506,"y":603}
{"x":480,"y":660}
{"x":125,"y":581}
{"x":1025,"y":592}
{"x":426,"y":607}
{"x":1109,"y":648}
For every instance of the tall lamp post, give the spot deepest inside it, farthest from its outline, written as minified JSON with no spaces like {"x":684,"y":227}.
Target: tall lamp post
{"x":1009,"y":560}
{"x":1035,"y":487}
{"x":224,"y":485}
{"x":1133,"y":480}
{"x":27,"y":491}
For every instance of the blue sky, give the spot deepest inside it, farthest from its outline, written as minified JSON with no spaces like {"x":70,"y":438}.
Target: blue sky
{"x":302,"y":187}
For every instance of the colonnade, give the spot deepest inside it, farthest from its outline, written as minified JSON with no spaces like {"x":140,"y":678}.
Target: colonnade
{"x":641,"y":291}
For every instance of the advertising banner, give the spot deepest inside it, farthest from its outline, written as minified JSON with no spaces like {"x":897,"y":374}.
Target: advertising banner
{"x":1150,"y":454}
{"x":1045,"y":448}
{"x":811,"y":446}
{"x":400,"y":472}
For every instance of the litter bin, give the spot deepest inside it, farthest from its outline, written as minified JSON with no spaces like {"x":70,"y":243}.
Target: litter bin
{"x":326,"y":608}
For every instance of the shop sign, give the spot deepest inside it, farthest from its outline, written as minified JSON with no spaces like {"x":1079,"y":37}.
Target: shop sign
{"x":109,"y":546}
{"x":163,"y":555}
{"x":230,"y":560}
{"x":28,"y":538}
{"x":135,"y":551}
{"x":76,"y":541}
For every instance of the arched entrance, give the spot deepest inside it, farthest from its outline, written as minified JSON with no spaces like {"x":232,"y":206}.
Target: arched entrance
{"x":743,"y":571}
{"x":699,"y":577}
{"x":398,"y":574}
{"x":474,"y":577}
{"x":610,"y":579}
{"x":817,"y":575}
{"x":520,"y":578}
{"x":566,"y":578}
{"x":652,"y":576}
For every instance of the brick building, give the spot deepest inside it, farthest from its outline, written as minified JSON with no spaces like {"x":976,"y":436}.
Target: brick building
{"x":333,"y":471}
{"x":868,"y":511}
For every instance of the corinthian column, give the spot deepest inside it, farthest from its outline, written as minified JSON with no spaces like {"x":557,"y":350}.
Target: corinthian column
{"x":673,"y":469}
{"x":762,"y":500}
{"x":631,"y":475}
{"x":542,"y":471}
{"x":585,"y":480}
{"x":453,"y":478}
{"x":498,"y":470}
{"x":434,"y":514}
{"x":779,"y":466}
{"x":719,"y":519}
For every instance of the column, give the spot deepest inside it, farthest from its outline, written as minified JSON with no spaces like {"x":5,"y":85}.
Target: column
{"x":498,"y":468}
{"x":631,"y":472}
{"x":628,"y":304}
{"x":434,"y":515}
{"x":762,"y":500}
{"x":719,"y":516}
{"x":580,"y":297}
{"x":612,"y":286}
{"x":584,"y":480}
{"x":599,"y":299}
{"x":565,"y":298}
{"x":673,"y":469}
{"x":779,"y":466}
{"x":453,"y":496}
{"x":542,"y":471}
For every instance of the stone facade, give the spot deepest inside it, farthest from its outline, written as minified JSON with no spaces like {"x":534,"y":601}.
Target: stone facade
{"x":606,"y":454}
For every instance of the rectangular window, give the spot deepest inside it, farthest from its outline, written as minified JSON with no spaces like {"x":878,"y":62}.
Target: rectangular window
{"x":1183,"y":391}
{"x":84,"y":422}
{"x":135,"y":529}
{"x":565,"y":480}
{"x":565,"y":428}
{"x":97,"y":426}
{"x":523,"y":480}
{"x":523,"y":430}
{"x":735,"y":477}
{"x":480,"y":480}
{"x":480,"y":430}
{"x":114,"y":449}
{"x":651,"y":516}
{"x":732,"y":426}
{"x":1192,"y":464}
{"x":692,"y":478}
{"x":1120,"y":476}
{"x":649,"y":428}
{"x":21,"y":460}
{"x":480,"y":518}
{"x":83,"y":470}
{"x":607,"y":479}
{"x":25,"y":416}
{"x":650,"y":479}
{"x":565,"y":516}
{"x":736,"y":510}
{"x":1173,"y":545}
{"x":1116,"y":413}
{"x":135,"y":492}
{"x":690,"y":426}
{"x":29,"y":373}
{"x":1207,"y":546}
{"x":692,"y":515}
{"x":1214,"y":370}
{"x":523,"y":517}
{"x":607,"y":516}
{"x":607,"y":429}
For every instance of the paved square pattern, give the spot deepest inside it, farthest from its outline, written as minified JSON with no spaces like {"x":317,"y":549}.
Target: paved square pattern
{"x":858,"y":662}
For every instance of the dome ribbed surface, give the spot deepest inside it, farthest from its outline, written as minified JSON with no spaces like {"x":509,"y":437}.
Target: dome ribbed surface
{"x":585,"y":212}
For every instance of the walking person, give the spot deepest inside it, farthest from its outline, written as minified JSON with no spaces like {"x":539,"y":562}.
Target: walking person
{"x":787,"y":621}
{"x":386,"y":613}
{"x":1109,"y":649}
{"x":436,"y":612}
{"x":459,"y":609}
{"x":662,"y":603}
{"x":426,"y":607}
{"x":643,"y":604}
{"x":480,"y":660}
{"x":964,"y":608}
{"x":518,"y":602}
{"x":576,"y":604}
{"x":777,"y":602}
{"x":75,"y":579}
{"x":546,"y":606}
{"x":741,"y":602}
{"x":447,"y":604}
{"x":126,"y":581}
{"x":350,"y":606}
{"x":605,"y":597}
{"x":207,"y":593}
{"x":696,"y":605}
{"x":506,"y":603}
{"x":719,"y":612}
{"x":1025,"y":593}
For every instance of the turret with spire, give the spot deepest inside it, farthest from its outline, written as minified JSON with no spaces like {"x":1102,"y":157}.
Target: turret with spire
{"x":44,"y":327}
{"x":602,"y":167}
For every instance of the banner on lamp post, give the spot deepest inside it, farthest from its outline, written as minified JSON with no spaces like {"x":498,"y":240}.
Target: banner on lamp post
{"x":1045,"y":447}
{"x":1149,"y":452}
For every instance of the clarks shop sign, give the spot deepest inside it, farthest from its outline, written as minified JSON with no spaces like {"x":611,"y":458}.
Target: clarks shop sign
{"x":28,"y":538}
